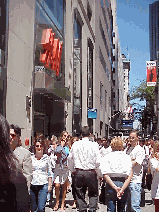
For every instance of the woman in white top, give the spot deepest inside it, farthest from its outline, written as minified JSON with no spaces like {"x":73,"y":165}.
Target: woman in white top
{"x":116,"y":168}
{"x":42,"y":176}
{"x":154,"y":166}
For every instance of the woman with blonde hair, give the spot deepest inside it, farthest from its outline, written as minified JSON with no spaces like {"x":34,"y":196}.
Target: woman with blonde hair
{"x":116,"y":168}
{"x":61,"y":171}
{"x":154,"y":168}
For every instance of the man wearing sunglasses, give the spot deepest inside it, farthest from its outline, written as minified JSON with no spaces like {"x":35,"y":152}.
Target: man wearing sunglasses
{"x":23,"y":155}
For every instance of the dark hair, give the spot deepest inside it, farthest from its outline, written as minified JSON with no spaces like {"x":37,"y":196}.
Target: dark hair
{"x":42,"y":141}
{"x":7,"y":157}
{"x":16,"y":129}
{"x":85,"y":131}
{"x":142,"y":140}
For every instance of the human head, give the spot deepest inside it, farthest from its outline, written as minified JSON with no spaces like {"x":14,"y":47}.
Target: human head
{"x":85,"y":131}
{"x":62,"y":139}
{"x":117,"y":144}
{"x":64,"y":135}
{"x":15,"y":134}
{"x":39,"y":144}
{"x":105,"y":142}
{"x":141,"y":142}
{"x":155,"y":149}
{"x":74,"y":139}
{"x":7,"y":158}
{"x":53,"y":138}
{"x":133,"y":138}
{"x":47,"y":141}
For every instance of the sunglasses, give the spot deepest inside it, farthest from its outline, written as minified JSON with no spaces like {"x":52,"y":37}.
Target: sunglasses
{"x":39,"y":146}
{"x":13,"y":135}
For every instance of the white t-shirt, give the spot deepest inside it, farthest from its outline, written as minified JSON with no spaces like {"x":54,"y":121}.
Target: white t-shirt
{"x":116,"y":164}
{"x":105,"y":151}
{"x":155,"y":182}
{"x":137,"y":155}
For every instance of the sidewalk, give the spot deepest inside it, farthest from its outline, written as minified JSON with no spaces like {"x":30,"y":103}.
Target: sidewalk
{"x":149,"y":207}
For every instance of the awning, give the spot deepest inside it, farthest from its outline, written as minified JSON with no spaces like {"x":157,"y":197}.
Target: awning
{"x":48,"y":85}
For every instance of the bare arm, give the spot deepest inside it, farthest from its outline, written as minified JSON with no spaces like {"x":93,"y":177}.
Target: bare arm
{"x":49,"y":184}
{"x":111,"y":183}
{"x":125,"y":185}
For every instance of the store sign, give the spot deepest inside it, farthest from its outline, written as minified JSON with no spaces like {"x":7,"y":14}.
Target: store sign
{"x":52,"y":50}
{"x":92,"y":113}
{"x":127,"y":124}
{"x":151,"y":73}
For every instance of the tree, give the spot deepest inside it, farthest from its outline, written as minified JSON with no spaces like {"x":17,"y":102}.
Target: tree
{"x":145,"y":93}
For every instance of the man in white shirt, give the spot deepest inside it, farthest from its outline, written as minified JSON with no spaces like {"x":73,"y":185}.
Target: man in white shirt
{"x":23,"y":155}
{"x":137,"y":155}
{"x":83,"y":160}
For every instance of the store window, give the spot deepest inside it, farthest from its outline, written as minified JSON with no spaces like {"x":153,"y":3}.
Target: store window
{"x":77,"y":73}
{"x":55,"y":11}
{"x":45,"y":20}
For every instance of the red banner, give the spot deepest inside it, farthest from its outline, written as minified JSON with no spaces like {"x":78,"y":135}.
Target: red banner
{"x":151,"y":73}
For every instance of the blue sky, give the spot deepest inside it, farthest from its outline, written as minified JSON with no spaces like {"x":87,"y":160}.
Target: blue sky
{"x":133,"y":23}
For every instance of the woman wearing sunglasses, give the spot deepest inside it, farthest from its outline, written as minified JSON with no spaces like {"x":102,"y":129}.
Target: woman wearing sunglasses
{"x":61,"y":170}
{"x":42,"y":176}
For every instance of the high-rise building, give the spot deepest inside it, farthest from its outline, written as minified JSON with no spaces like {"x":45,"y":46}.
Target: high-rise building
{"x":154,"y":29}
{"x":58,"y":63}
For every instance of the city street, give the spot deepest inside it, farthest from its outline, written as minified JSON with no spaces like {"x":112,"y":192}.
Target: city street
{"x":149,"y":207}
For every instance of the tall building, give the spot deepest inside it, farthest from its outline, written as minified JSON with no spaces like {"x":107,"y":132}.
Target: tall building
{"x":57,"y":62}
{"x":126,"y":69}
{"x":118,"y":74}
{"x":154,"y":29}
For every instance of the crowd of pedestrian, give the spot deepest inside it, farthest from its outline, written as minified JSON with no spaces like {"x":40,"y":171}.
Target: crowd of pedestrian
{"x":119,"y":167}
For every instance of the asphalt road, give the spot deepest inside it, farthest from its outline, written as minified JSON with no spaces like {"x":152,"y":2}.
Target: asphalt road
{"x":149,"y":206}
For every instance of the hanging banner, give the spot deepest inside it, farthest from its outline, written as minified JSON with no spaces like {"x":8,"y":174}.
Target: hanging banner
{"x":151,"y":73}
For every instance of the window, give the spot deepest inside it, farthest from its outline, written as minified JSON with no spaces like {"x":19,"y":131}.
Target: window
{"x":105,"y":100}
{"x":104,"y":38}
{"x":101,"y":94}
{"x":90,"y":74}
{"x":101,"y":57}
{"x":57,"y":9}
{"x":89,"y":12}
{"x":77,"y":74}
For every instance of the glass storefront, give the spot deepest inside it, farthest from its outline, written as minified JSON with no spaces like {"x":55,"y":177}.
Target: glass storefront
{"x":49,"y":108}
{"x":46,"y":19}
